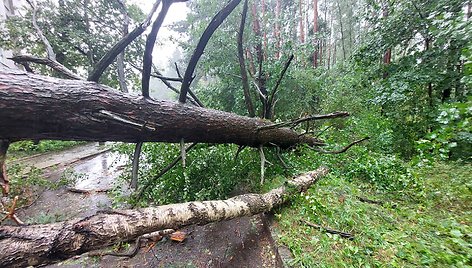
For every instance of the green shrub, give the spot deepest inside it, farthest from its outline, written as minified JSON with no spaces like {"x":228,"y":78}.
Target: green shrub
{"x":452,"y":139}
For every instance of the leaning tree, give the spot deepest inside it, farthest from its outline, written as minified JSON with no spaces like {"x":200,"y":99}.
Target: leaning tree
{"x":73,"y":107}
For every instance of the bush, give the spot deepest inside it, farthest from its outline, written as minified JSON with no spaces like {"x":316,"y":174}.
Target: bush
{"x":452,"y":139}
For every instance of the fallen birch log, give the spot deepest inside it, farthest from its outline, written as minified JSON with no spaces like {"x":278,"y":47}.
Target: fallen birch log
{"x":48,"y":243}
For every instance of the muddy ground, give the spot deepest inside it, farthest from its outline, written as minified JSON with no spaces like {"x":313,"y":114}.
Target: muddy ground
{"x":242,"y":242}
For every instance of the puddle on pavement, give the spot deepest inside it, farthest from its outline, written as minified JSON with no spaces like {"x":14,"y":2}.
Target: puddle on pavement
{"x":99,"y":172}
{"x":95,"y":173}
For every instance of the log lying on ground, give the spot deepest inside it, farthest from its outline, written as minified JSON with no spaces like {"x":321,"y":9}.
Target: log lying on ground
{"x":40,"y":107}
{"x":42,"y":244}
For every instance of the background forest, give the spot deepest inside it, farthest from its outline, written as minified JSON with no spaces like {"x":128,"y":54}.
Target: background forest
{"x":402,"y":69}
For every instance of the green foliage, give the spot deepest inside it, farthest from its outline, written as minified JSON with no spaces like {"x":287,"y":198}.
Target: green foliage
{"x":427,"y":227}
{"x":24,"y":181}
{"x":211,"y":172}
{"x":453,"y":138}
{"x":22,"y":148}
{"x":79,"y":33}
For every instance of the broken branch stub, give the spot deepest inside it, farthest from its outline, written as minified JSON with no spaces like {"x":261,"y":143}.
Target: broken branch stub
{"x":48,"y":243}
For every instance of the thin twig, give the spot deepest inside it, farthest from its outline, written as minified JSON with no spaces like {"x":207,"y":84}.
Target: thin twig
{"x":294,"y":123}
{"x":10,"y":214}
{"x":137,"y":245}
{"x":177,"y":70}
{"x":240,"y":149}
{"x":370,"y":201}
{"x":343,"y":149}
{"x":214,"y":24}
{"x":158,"y":74}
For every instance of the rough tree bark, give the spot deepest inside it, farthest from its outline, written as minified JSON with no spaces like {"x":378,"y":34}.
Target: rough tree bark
{"x":47,"y":243}
{"x":40,"y":107}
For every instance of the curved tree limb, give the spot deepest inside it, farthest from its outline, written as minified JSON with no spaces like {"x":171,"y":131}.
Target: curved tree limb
{"x":150,"y":41}
{"x":163,"y":171}
{"x":158,"y":74}
{"x":47,"y":45}
{"x":198,"y":52}
{"x":48,"y":243}
{"x":110,"y":56}
{"x":51,"y":56}
{"x":343,"y":149}
{"x":271,"y":100}
{"x":48,"y":62}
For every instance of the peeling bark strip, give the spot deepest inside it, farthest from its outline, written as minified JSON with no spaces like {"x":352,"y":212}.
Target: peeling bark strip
{"x":40,"y":107}
{"x":47,"y":243}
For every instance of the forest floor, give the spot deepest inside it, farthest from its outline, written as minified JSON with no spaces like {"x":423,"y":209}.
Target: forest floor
{"x":429,"y":226}
{"x":76,"y":182}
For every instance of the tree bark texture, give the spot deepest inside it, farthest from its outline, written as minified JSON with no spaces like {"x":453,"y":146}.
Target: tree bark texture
{"x":40,"y":107}
{"x":47,"y":243}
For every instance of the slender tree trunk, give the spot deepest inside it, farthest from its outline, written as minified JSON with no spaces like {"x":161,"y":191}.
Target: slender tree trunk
{"x":315,"y":33}
{"x":263,"y":27}
{"x":277,"y":30}
{"x":120,"y":59}
{"x":388,"y":53}
{"x":427,"y":45}
{"x":242,"y":64}
{"x":469,"y":10}
{"x":342,"y":30}
{"x":261,"y":78}
{"x":38,"y":107}
{"x":43,"y":244}
{"x":302,"y":27}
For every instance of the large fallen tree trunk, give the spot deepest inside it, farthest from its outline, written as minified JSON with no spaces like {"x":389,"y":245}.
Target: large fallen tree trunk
{"x":42,"y":244}
{"x":40,"y":107}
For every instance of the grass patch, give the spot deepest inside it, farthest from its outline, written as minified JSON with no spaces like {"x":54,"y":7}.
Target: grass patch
{"x":26,"y":148}
{"x":429,"y":225}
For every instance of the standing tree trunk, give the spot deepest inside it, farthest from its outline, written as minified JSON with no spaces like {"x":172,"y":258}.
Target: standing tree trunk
{"x":342,"y":30}
{"x":278,"y":38}
{"x":242,"y":64}
{"x":302,"y":27}
{"x":315,"y":32}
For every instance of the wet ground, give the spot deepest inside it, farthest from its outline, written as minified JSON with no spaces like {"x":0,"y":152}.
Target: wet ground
{"x":242,"y":242}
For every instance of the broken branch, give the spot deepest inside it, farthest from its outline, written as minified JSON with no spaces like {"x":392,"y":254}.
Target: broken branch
{"x":198,"y":52}
{"x":343,"y":149}
{"x":110,"y":56}
{"x":294,"y":123}
{"x":329,"y":230}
